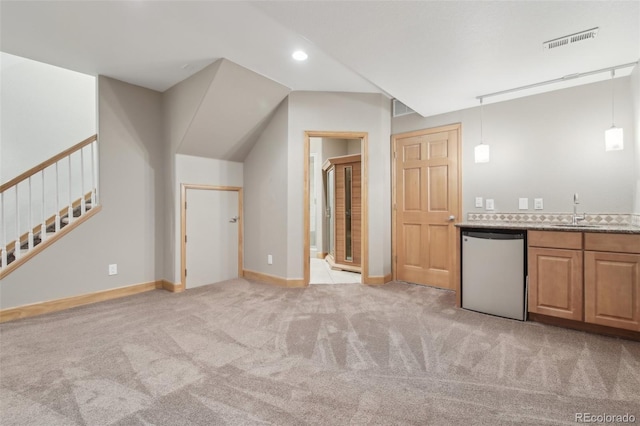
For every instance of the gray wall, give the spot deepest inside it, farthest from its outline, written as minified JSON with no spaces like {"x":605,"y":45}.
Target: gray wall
{"x":332,"y":111}
{"x":265,"y":198}
{"x":43,"y":111}
{"x":546,"y":146}
{"x":128,"y":230}
{"x":353,"y":146}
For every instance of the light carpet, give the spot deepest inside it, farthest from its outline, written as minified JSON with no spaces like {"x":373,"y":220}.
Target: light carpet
{"x":246,"y":353}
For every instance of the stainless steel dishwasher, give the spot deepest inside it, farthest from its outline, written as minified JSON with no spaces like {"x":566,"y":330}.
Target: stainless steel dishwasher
{"x":493,"y":272}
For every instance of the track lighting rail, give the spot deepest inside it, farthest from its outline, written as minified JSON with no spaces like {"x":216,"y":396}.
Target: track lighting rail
{"x":558,"y":80}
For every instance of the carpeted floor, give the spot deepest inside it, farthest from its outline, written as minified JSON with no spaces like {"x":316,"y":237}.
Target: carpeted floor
{"x":244,"y":353}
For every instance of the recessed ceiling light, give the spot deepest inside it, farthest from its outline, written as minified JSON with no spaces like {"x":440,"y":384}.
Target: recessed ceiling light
{"x":299,"y":55}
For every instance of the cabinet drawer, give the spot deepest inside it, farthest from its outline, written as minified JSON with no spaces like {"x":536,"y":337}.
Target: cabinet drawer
{"x":555,"y":239}
{"x":619,"y":243}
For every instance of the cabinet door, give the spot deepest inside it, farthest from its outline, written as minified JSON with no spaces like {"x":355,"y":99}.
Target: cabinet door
{"x":555,"y":282}
{"x":612,"y":289}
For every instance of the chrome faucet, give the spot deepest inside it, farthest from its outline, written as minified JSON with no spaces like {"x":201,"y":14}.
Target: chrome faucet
{"x":576,"y":217}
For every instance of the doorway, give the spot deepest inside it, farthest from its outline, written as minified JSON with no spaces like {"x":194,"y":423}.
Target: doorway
{"x":426,"y":198}
{"x":328,"y":153}
{"x":211,"y":234}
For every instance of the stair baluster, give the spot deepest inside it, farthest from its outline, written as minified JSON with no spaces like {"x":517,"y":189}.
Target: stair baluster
{"x":70,"y":209}
{"x":30,"y":235}
{"x":43,"y":221}
{"x":16,"y":250}
{"x":83,"y":207}
{"x":94,"y":172}
{"x":57,"y":226}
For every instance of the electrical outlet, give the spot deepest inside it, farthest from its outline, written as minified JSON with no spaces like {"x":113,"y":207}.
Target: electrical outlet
{"x":113,"y":269}
{"x":478,"y":201}
{"x":523,"y":203}
{"x":537,"y":204}
{"x":489,"y":204}
{"x":269,"y":259}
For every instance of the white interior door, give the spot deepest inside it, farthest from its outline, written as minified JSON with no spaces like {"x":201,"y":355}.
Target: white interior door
{"x":212,"y":236}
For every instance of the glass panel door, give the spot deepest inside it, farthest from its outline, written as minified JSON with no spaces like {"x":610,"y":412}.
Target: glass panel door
{"x":330,"y":210}
{"x":347,"y":214}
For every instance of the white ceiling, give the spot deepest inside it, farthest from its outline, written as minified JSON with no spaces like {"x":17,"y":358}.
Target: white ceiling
{"x":433,"y":56}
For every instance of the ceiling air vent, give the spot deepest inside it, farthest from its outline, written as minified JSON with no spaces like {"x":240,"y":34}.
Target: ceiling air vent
{"x":570,"y":39}
{"x":400,"y":109}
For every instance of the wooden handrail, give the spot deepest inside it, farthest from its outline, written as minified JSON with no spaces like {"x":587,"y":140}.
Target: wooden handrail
{"x":47,"y":163}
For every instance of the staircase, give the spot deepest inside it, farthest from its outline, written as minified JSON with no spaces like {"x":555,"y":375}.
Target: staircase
{"x":30,"y":215}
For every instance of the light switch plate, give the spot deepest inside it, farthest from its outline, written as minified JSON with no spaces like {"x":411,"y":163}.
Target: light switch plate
{"x":537,"y":204}
{"x":478,"y":201}
{"x":269,"y":259}
{"x":489,"y":204}
{"x":523,"y":203}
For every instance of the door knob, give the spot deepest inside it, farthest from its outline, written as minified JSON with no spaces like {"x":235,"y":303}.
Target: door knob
{"x":452,"y":217}
{"x":234,"y":219}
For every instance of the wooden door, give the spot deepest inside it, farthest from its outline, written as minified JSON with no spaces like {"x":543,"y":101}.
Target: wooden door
{"x":555,"y":282}
{"x":612,"y":289}
{"x":426,"y":204}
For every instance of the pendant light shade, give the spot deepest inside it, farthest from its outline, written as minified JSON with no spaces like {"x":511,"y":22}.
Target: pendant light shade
{"x":614,"y":136}
{"x":614,"y":139}
{"x":481,"y":151}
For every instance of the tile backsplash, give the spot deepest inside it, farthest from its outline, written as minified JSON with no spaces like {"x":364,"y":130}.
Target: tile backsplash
{"x":556,"y":218}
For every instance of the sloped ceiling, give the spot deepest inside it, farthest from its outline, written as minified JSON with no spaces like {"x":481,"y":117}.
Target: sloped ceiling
{"x":235,"y":106}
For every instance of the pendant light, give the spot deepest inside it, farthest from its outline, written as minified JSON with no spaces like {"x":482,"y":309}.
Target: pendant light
{"x":481,"y":151}
{"x":614,"y":136}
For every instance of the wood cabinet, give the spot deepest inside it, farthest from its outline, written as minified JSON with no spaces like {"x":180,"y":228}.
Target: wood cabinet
{"x":344,"y":189}
{"x":612,"y":280}
{"x":555,"y":269}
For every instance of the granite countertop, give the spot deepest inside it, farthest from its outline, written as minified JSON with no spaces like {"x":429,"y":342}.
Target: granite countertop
{"x":610,"y":228}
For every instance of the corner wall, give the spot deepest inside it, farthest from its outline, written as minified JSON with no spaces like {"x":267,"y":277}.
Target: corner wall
{"x":546,"y":146}
{"x":265,"y":198}
{"x":128,"y":231}
{"x":179,"y":105}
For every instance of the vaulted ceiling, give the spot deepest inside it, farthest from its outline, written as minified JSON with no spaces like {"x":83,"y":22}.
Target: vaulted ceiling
{"x":435,"y":56}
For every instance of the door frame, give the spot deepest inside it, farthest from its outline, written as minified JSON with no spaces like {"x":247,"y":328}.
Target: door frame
{"x":183,"y":224}
{"x":364,"y":241}
{"x":453,"y":251}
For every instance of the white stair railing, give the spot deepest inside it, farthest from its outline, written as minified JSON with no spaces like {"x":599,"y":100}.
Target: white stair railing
{"x":33,"y":213}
